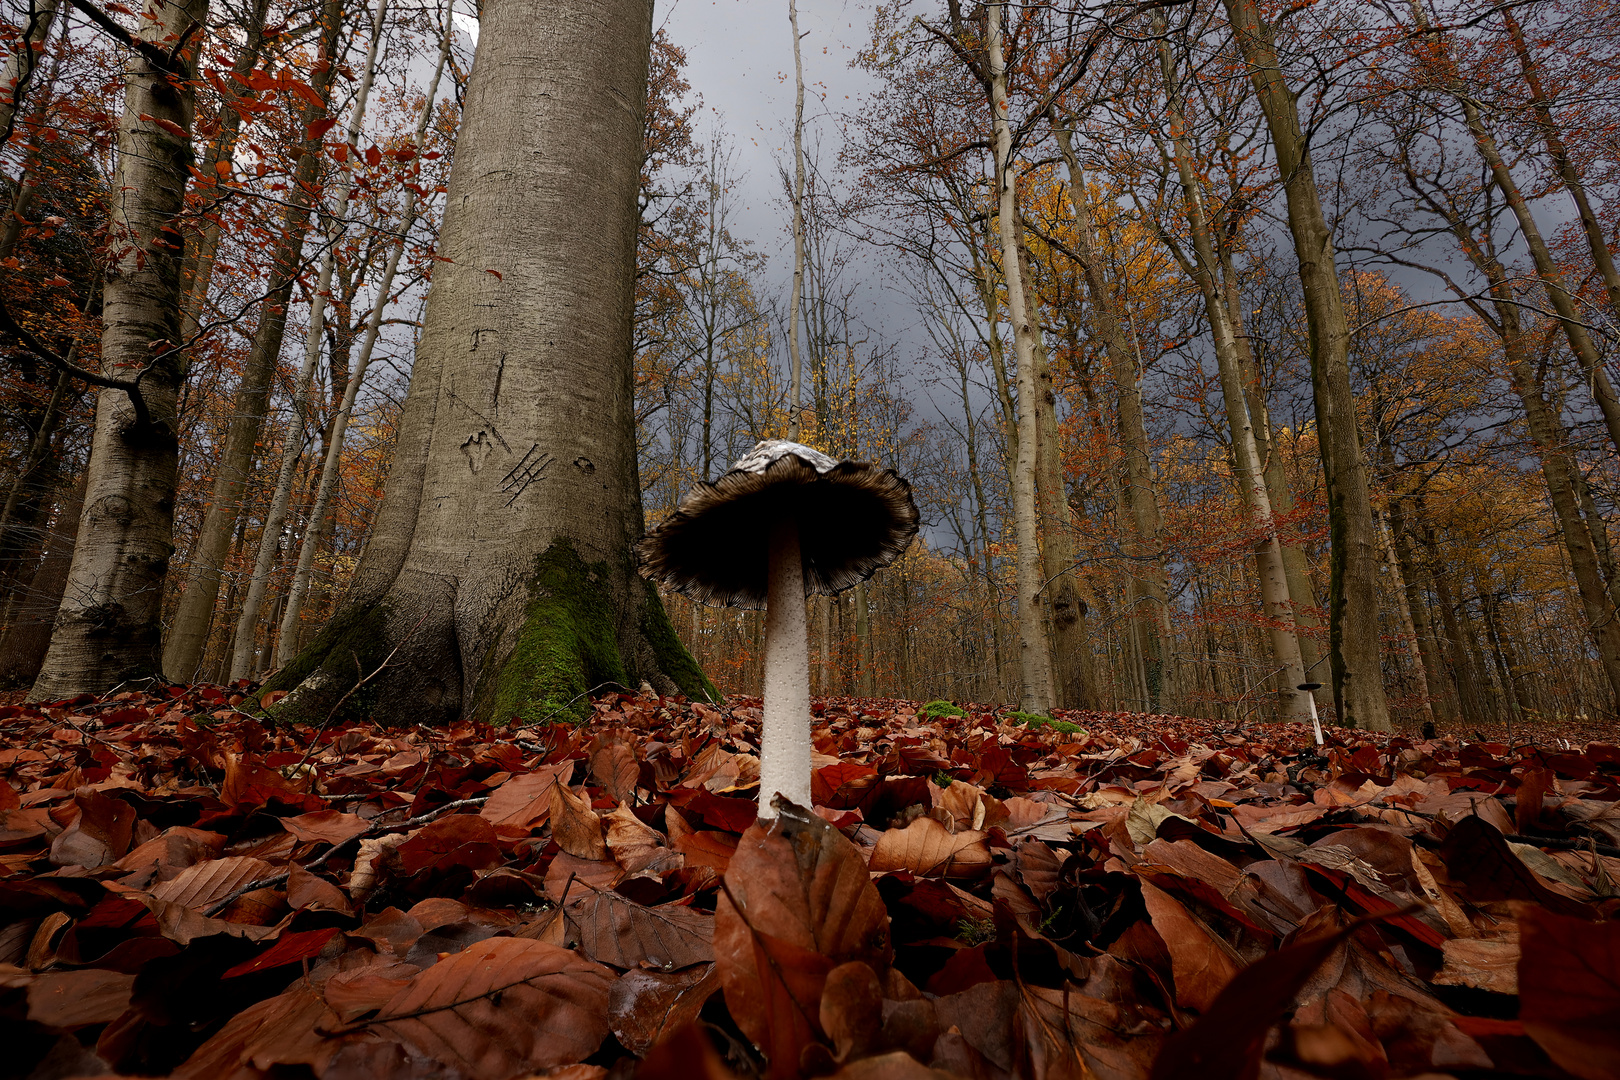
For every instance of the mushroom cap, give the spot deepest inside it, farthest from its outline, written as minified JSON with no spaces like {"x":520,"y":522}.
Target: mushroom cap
{"x":854,"y":519}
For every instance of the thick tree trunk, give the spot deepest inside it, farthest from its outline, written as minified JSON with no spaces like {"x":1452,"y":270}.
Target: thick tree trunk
{"x":1070,"y":638}
{"x":1034,"y":651}
{"x":188,"y":633}
{"x":1151,"y":631}
{"x":1353,"y":639}
{"x":499,"y":582}
{"x":28,"y":628}
{"x":108,"y":628}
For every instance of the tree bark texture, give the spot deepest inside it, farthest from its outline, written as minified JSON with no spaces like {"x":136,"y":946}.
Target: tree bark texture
{"x":499,"y":581}
{"x":1353,"y":639}
{"x":1035,"y":654}
{"x":28,"y":627}
{"x":108,"y":628}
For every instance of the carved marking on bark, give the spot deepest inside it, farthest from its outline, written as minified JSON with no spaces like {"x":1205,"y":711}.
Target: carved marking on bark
{"x":585,"y":464}
{"x":525,"y":472}
{"x":477,"y":449}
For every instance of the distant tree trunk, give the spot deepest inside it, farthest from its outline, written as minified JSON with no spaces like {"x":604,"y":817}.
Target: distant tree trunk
{"x":233,"y":471}
{"x":1470,"y":692}
{"x":109,"y":625}
{"x":499,"y":580}
{"x":28,"y":628}
{"x":287,"y":641}
{"x":796,"y":381}
{"x":1558,"y":293}
{"x":202,"y":246}
{"x":19,"y":66}
{"x":1035,"y":653}
{"x":1249,"y":472}
{"x":24,"y":502}
{"x":1440,"y":696}
{"x":1143,"y":524}
{"x":1296,"y":566}
{"x":1353,"y":639}
{"x":863,"y":641}
{"x":305,"y":398}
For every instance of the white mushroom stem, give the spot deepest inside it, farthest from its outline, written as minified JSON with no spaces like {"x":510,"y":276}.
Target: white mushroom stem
{"x":784,"y":745}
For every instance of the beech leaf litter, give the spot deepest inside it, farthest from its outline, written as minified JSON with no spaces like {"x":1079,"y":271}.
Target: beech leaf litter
{"x":189,"y":890}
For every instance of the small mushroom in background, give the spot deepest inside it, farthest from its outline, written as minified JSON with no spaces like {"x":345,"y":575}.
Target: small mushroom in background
{"x":785,"y":522}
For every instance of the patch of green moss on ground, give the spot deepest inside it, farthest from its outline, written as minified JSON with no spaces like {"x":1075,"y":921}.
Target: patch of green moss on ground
{"x":940,"y":708}
{"x":1040,"y":722}
{"x":671,"y":656}
{"x":353,"y":642}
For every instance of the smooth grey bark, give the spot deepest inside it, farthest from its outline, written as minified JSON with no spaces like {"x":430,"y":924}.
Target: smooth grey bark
{"x":499,"y":580}
{"x":1034,"y":650}
{"x":194,"y":614}
{"x":1070,"y":638}
{"x":108,"y":627}
{"x":1353,"y":639}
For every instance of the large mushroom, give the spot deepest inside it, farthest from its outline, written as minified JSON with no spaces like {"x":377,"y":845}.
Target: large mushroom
{"x":785,"y":522}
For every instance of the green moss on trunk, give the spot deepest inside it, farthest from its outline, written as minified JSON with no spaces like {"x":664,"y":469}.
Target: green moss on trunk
{"x":353,"y":642}
{"x":566,"y":647}
{"x":672,"y":657}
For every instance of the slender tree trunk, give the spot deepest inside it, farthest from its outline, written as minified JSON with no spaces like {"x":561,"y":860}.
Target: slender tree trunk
{"x":287,"y":643}
{"x":499,"y":580}
{"x":22,"y":507}
{"x":305,"y":398}
{"x":188,"y":633}
{"x":796,"y":383}
{"x":1296,"y":566}
{"x":1558,"y":293}
{"x":1035,"y":653}
{"x":1353,"y":639}
{"x":1564,"y":164}
{"x":1142,"y":521}
{"x":197,"y":269}
{"x":1250,"y":475}
{"x":1440,"y":696}
{"x":1470,"y":692}
{"x":108,"y":628}
{"x":19,"y":66}
{"x":1414,"y":643}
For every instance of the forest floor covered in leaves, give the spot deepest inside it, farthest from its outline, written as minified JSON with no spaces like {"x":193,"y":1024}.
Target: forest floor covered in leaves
{"x":188,"y":890}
